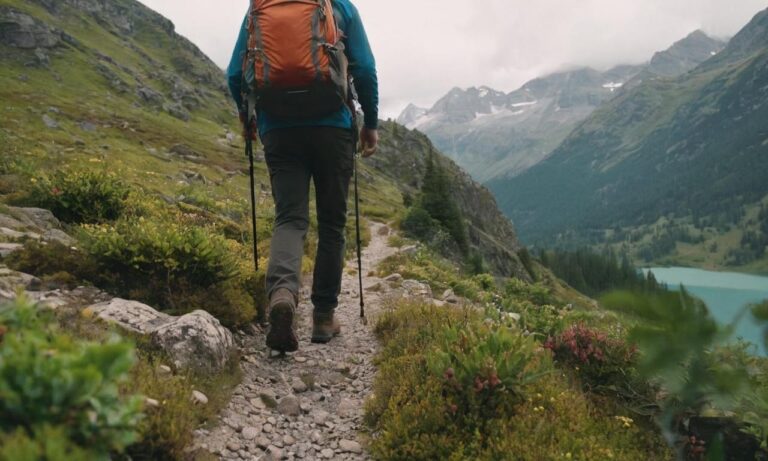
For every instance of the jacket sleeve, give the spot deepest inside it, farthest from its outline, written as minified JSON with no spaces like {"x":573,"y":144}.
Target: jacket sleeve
{"x":235,"y":68}
{"x":362,"y":66}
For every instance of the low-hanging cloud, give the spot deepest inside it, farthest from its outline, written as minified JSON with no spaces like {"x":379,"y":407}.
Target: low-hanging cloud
{"x":426,"y":47}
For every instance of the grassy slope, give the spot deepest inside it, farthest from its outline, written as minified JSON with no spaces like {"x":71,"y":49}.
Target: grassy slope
{"x":132,"y":139}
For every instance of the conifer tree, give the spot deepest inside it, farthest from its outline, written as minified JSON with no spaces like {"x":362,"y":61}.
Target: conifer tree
{"x":437,"y":201}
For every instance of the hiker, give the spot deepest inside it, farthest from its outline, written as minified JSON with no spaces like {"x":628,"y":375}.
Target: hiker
{"x":308,"y":132}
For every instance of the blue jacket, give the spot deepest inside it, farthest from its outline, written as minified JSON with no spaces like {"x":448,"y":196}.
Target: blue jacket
{"x":362,"y":67}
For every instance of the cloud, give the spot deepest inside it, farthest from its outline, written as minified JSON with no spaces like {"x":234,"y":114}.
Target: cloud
{"x":426,"y":47}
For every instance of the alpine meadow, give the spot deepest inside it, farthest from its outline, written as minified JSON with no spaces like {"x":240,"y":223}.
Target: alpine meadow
{"x":250,"y":263}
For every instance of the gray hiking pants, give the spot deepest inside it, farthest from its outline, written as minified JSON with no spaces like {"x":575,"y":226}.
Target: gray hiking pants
{"x":294,"y":156}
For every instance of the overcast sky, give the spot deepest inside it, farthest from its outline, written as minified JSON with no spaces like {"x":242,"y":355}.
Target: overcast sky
{"x":426,"y":47}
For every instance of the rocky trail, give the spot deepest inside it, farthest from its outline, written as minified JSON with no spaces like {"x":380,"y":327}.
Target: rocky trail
{"x":308,"y":405}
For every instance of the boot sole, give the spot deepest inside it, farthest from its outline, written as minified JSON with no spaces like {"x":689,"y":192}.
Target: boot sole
{"x":281,"y":336}
{"x":317,"y":339}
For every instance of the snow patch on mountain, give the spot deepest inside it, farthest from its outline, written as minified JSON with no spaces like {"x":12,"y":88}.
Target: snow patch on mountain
{"x":613,"y":86}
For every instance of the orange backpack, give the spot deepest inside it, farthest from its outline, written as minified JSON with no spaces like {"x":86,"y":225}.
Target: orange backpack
{"x":295,"y":64}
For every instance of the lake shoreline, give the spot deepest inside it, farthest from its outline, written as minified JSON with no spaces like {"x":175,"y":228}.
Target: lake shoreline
{"x":726,"y":294}
{"x":710,"y":268}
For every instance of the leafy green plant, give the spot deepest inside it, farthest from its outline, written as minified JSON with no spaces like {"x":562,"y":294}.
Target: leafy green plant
{"x":543,"y":321}
{"x":753,"y":407}
{"x":174,"y":266}
{"x":54,"y":260}
{"x":81,"y":196}
{"x":676,"y":336}
{"x":162,"y":249}
{"x":45,"y":443}
{"x":49,"y":380}
{"x":486,"y":370}
{"x":536,"y":293}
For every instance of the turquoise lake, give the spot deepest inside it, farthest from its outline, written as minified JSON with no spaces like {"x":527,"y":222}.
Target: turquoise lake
{"x":726,"y":295}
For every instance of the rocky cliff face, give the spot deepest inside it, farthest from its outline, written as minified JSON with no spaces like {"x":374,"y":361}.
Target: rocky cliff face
{"x":403,"y":158}
{"x":135,"y":49}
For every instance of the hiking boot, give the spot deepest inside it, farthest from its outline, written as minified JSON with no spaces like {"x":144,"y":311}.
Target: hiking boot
{"x":282,"y":335}
{"x":324,"y":327}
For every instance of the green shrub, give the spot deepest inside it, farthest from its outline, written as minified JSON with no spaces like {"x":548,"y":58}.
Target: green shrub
{"x":424,"y":265}
{"x":173,"y":266}
{"x":536,"y":293}
{"x":753,"y":406}
{"x":49,"y":380}
{"x":419,"y":224}
{"x":81,"y":196}
{"x":197,"y":196}
{"x":44,"y":443}
{"x":165,"y":250}
{"x":600,"y":360}
{"x":54,"y":260}
{"x":558,"y":422}
{"x":485,"y":281}
{"x":452,"y":386}
{"x":543,"y":321}
{"x":485,"y":369}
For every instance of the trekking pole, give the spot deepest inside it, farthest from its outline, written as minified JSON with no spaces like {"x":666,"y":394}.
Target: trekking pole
{"x":359,"y":240}
{"x":249,"y":153}
{"x":355,"y":141}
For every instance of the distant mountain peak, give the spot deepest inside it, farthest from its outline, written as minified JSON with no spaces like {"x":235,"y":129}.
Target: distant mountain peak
{"x":411,"y":115}
{"x":751,"y":38}
{"x":685,"y":55}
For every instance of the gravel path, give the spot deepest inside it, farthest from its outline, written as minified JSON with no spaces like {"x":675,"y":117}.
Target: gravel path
{"x":307,"y":405}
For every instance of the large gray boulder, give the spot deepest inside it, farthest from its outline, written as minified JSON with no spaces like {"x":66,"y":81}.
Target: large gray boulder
{"x":12,"y":282}
{"x":8,"y":248}
{"x":416,"y":289}
{"x":130,"y":315}
{"x":32,"y":223}
{"x":23,"y":31}
{"x":195,"y":341}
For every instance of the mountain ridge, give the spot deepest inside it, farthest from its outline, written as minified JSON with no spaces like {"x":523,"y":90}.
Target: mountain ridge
{"x":493,"y":134}
{"x":656,"y":152}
